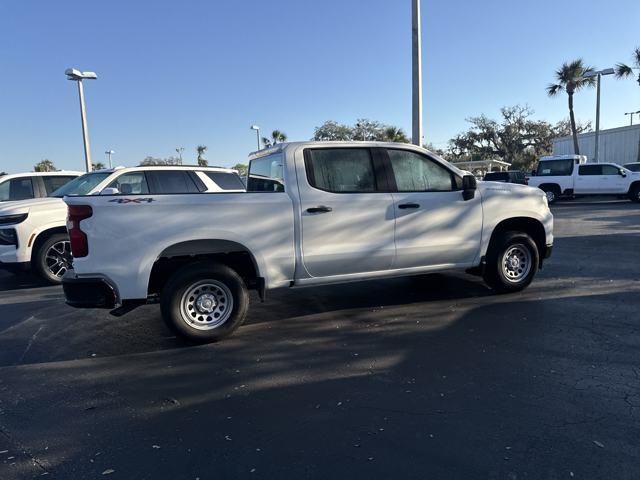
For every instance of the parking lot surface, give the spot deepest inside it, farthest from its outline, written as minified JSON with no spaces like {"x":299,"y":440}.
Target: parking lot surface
{"x":426,"y":377}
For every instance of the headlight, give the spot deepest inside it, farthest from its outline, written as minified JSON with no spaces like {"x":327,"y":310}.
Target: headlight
{"x":13,"y":219}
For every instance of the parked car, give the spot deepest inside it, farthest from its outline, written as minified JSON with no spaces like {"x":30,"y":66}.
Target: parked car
{"x":33,"y":233}
{"x":571,"y":175}
{"x":24,"y":186}
{"x":634,"y":167}
{"x":315,"y":213}
{"x":509,"y":176}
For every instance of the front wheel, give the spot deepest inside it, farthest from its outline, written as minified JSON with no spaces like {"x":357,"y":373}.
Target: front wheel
{"x":204,"y":302}
{"x":634,"y":194}
{"x":53,"y":258}
{"x":512,"y":262}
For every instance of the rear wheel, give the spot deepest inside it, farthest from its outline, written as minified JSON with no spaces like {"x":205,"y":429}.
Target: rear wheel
{"x":512,"y":262}
{"x":53,"y":258}
{"x":204,"y":303}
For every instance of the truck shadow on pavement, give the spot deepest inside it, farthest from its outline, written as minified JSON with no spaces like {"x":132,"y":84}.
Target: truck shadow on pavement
{"x":440,"y":389}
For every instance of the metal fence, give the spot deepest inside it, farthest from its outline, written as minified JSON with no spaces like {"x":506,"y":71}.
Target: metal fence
{"x":617,"y":145}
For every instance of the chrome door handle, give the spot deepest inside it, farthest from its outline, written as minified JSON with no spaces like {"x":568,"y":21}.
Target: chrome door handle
{"x":319,"y":209}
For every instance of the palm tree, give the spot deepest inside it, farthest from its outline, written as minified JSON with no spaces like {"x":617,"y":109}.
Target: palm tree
{"x":625,"y":71}
{"x":571,"y":78}
{"x":276,"y":137}
{"x":202,"y":162}
{"x":394,"y":134}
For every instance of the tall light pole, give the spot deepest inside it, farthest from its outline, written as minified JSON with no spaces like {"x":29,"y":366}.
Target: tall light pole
{"x":632,"y":114}
{"x":416,"y":35}
{"x":78,"y":76}
{"x":598,"y":74}
{"x":108,"y":153}
{"x":257,"y":129}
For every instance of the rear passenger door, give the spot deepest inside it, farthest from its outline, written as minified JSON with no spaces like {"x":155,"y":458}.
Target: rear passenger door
{"x":347,"y":215}
{"x":589,"y":179}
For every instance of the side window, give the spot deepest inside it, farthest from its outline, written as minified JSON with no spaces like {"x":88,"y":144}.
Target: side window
{"x":610,"y":170}
{"x":172,"y":181}
{"x":341,"y":170}
{"x":553,"y":168}
{"x":225,"y":180}
{"x":16,"y":189}
{"x":416,"y":173}
{"x":54,"y":182}
{"x":266,"y":174}
{"x":590,"y":170}
{"x":131,"y":183}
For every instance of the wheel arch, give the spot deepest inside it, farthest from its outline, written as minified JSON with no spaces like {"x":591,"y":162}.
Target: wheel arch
{"x":42,"y":237}
{"x":529,"y":225}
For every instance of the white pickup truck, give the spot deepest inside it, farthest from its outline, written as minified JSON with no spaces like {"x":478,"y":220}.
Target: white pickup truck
{"x":314,"y":213}
{"x":571,"y":175}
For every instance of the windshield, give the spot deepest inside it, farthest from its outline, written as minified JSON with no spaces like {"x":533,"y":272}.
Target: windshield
{"x":81,"y":185}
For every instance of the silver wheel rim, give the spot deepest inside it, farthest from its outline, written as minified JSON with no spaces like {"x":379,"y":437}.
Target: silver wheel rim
{"x":206,"y":304}
{"x":550,"y":195}
{"x":58,"y":258}
{"x":516,"y":263}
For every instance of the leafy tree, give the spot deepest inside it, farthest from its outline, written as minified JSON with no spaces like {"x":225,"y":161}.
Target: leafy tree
{"x":98,"y":166}
{"x":432,"y":148}
{"x":44,"y":165}
{"x":242,"y":169}
{"x":570,"y":77}
{"x":3,"y":173}
{"x":276,"y":137}
{"x":625,"y":71}
{"x":202,"y":162}
{"x":515,"y":138}
{"x":151,"y":161}
{"x":364,"y":129}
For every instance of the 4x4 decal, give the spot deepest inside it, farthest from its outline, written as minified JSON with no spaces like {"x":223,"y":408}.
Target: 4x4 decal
{"x":132,"y":200}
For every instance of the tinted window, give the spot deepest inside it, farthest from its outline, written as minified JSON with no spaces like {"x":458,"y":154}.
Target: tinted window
{"x":226,"y":181}
{"x":131,"y":183}
{"x":496,"y":176}
{"x":555,"y":167}
{"x":172,"y":181}
{"x":610,"y":170}
{"x":81,"y":185}
{"x":266,"y":174}
{"x":16,"y":189}
{"x":54,"y":182}
{"x":634,"y":167}
{"x":341,"y":170}
{"x":416,"y":173}
{"x":590,"y":170}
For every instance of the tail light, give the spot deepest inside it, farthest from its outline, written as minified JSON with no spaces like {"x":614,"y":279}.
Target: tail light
{"x":79,"y":243}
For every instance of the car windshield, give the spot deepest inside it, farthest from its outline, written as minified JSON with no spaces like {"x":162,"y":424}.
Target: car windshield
{"x":81,"y":185}
{"x":634,"y":167}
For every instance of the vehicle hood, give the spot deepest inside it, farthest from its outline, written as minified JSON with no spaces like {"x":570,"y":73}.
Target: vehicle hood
{"x":516,"y":189}
{"x":25,"y":206}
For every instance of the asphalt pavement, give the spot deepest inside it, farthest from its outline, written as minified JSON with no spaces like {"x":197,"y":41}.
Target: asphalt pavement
{"x":425,"y":377}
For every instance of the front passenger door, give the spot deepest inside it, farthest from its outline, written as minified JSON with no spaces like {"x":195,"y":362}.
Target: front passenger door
{"x":435,"y":226}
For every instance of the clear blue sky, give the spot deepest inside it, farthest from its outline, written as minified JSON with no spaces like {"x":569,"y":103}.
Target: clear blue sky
{"x":183,"y":73}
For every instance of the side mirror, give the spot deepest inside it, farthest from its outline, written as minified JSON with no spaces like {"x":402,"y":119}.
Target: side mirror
{"x":469,"y":186}
{"x":110,"y":191}
{"x":622,"y":172}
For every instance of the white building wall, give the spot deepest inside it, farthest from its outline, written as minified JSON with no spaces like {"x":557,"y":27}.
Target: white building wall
{"x":617,"y":145}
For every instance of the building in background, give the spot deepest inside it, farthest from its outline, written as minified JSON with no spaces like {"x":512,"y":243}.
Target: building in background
{"x":617,"y":145}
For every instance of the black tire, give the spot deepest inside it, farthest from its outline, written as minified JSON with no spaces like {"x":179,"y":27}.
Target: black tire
{"x":552,"y":192}
{"x":42,"y":263}
{"x":634,"y":193}
{"x":502,"y":275}
{"x":213,"y":283}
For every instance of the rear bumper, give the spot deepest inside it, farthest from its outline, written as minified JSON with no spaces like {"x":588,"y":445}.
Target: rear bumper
{"x":83,"y":292}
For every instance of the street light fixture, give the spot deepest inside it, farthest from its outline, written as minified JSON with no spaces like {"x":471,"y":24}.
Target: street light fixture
{"x":257,"y":129}
{"x":78,"y":76}
{"x":109,"y":153}
{"x":598,"y":74}
{"x":632,"y":114}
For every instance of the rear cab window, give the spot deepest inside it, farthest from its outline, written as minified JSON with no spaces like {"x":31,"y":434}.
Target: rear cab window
{"x":172,"y":181}
{"x":558,"y":168}
{"x":585,"y":170}
{"x":54,"y":182}
{"x":341,"y":170}
{"x":226,"y":180}
{"x":16,"y":189}
{"x":266,"y":174}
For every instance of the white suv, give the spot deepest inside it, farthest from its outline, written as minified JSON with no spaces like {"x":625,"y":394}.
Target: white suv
{"x":24,"y":186}
{"x":33,"y":233}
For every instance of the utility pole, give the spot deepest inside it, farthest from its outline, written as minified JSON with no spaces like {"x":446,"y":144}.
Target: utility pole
{"x":598,"y":75}
{"x":416,"y":35}
{"x":109,"y":153}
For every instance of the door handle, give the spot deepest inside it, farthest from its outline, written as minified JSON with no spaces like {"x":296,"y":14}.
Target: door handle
{"x":404,"y":206}
{"x":319,"y":209}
